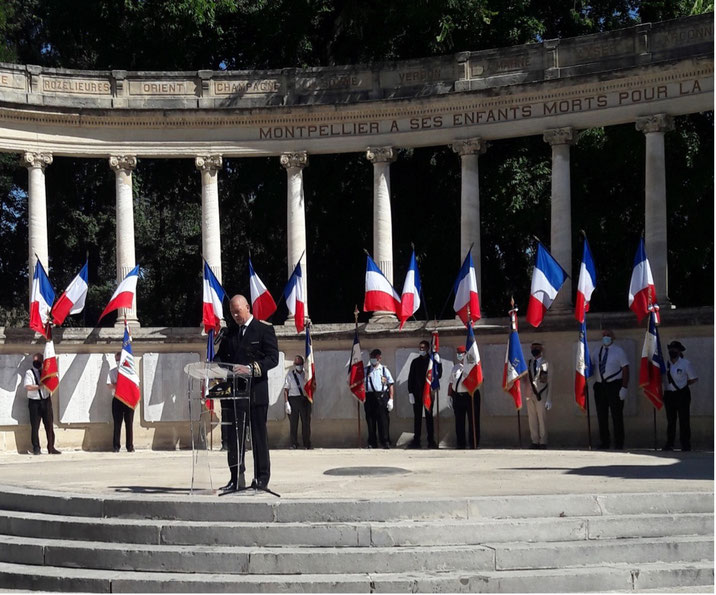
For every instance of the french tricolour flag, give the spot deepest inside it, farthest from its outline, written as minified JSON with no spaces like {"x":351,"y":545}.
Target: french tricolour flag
{"x":472,"y":372}
{"x":73,"y":300}
{"x":410,"y":300}
{"x":127,"y":389}
{"x":515,"y":365}
{"x":41,"y":300}
{"x":642,"y":293}
{"x":379,"y":293}
{"x":587,"y":283}
{"x":432,"y":381}
{"x":294,"y":298}
{"x":356,"y":371}
{"x":310,"y":385}
{"x":212,"y":299}
{"x":262,"y":304}
{"x":652,"y":368}
{"x":547,"y":279}
{"x":49,"y":375}
{"x":466,"y":291}
{"x":583,"y":369}
{"x":123,"y":296}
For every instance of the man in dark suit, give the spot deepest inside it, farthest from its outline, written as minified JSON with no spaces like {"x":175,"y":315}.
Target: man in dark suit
{"x":251,"y":345}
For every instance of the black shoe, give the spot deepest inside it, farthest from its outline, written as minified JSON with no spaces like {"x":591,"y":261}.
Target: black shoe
{"x":534,"y":446}
{"x":668,"y":447}
{"x":308,"y":447}
{"x":414,"y":444}
{"x":603,"y":447}
{"x":433,"y":445}
{"x":259,"y":484}
{"x":229,"y":487}
{"x":54,"y":451}
{"x":386,"y":446}
{"x":36,"y":451}
{"x":130,"y":449}
{"x":542,"y":446}
{"x":686,"y":449}
{"x":115,"y":450}
{"x":294,"y":446}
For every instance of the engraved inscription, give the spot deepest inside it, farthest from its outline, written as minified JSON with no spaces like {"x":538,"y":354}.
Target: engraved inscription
{"x":514,"y":63}
{"x":162,"y":87}
{"x":79,"y":86}
{"x":336,"y":82}
{"x":595,"y":51}
{"x":11,"y":81}
{"x":246,"y":87}
{"x":704,"y":33}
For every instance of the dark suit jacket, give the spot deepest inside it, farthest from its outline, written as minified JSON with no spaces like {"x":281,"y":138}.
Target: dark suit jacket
{"x":257,"y":345}
{"x":416,"y":376}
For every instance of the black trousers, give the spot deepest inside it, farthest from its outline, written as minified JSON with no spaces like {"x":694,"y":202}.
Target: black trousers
{"x":122,"y":413}
{"x":467,"y":407}
{"x":418,"y":420}
{"x":678,"y":404}
{"x":606,"y":398}
{"x":235,"y":424}
{"x":41,"y":409}
{"x":376,"y":416}
{"x":300,"y":408}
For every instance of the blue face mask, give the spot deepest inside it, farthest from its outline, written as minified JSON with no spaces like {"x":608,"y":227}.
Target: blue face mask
{"x":422,"y":352}
{"x":607,"y":341}
{"x":373,"y":361}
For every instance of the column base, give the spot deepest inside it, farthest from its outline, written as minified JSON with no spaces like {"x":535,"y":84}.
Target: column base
{"x":383,"y":317}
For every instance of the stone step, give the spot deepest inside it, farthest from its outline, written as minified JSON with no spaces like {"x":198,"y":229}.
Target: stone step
{"x":342,"y":534}
{"x":613,"y":577}
{"x":260,"y":507}
{"x":312,"y":560}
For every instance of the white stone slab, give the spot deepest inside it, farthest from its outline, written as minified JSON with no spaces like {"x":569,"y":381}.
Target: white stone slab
{"x":276,"y":377}
{"x":333,"y":399}
{"x":404,"y":358}
{"x":13,"y":398}
{"x":84,"y":395}
{"x":164,"y":386}
{"x":494,"y":400}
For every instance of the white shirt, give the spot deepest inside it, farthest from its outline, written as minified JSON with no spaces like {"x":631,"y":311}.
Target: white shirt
{"x":31,"y":379}
{"x":112,"y":376}
{"x":456,"y":377}
{"x":540,"y":378}
{"x":374,"y":378}
{"x":681,"y":372}
{"x":616,"y":359}
{"x":291,"y":385}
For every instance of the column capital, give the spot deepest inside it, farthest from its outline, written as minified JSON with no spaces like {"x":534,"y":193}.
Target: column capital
{"x":655,"y":123}
{"x":559,"y":136}
{"x":122,"y":162}
{"x":41,"y":160}
{"x":297,"y":160}
{"x":380,"y":154}
{"x":470,"y":146}
{"x":210,"y":163}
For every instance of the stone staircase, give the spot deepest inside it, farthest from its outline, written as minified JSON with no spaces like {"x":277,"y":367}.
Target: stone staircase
{"x":56,"y":541}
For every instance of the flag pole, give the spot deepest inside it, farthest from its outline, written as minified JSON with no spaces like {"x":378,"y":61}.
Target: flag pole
{"x":589,"y":421}
{"x":360,"y":445}
{"x":437,"y":396}
{"x":513,"y":323}
{"x":655,"y":443}
{"x":519,"y":429}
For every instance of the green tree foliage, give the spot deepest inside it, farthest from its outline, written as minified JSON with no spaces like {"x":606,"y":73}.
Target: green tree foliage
{"x":607,"y":164}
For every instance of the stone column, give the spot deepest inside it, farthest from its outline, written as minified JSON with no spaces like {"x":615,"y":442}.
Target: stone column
{"x":123,"y":166}
{"x":381,"y":158}
{"x":36,"y":211}
{"x":209,"y":166}
{"x":296,"y":218}
{"x":470,"y":151}
{"x":654,"y":128}
{"x":561,"y":209}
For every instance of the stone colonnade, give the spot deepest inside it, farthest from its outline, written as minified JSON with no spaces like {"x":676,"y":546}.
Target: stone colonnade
{"x":469,"y":150}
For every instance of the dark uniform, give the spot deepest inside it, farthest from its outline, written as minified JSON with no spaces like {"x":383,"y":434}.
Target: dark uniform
{"x":677,"y":397}
{"x":257,"y":348}
{"x":416,"y":384}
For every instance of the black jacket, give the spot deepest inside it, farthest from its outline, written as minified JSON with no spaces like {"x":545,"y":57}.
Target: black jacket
{"x":416,"y":377}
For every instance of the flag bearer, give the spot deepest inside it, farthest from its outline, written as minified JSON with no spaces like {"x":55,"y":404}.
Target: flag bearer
{"x":677,"y":396}
{"x":538,"y":398}
{"x":297,"y":403}
{"x":378,"y":401}
{"x":463,"y":405}
{"x":610,"y":389}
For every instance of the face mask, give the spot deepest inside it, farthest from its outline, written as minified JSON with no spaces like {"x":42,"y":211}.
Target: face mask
{"x":460,"y":357}
{"x":607,"y":341}
{"x":37,"y":365}
{"x":423,"y":353}
{"x":536,"y":352}
{"x":373,"y":361}
{"x":673,"y":354}
{"x":299,"y":367}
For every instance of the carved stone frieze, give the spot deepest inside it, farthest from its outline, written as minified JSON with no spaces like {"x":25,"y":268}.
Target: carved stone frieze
{"x":470,"y":146}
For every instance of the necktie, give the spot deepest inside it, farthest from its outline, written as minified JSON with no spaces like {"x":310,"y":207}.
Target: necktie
{"x":603,"y":362}
{"x":534,"y":369}
{"x":242,"y":331}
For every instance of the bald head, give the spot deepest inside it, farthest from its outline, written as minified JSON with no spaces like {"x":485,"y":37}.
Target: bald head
{"x":240,"y":309}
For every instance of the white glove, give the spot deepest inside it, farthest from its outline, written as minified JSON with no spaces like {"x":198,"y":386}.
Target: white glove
{"x":623,"y":392}
{"x":450,"y":402}
{"x":411,"y":398}
{"x":437,"y":358}
{"x":547,"y":405}
{"x":390,"y":405}
{"x":288,"y":408}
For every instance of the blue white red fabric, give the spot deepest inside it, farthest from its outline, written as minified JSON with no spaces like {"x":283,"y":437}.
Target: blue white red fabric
{"x":127,"y":389}
{"x":41,"y":299}
{"x":586,"y":284}
{"x":49,"y":374}
{"x":583,"y":368}
{"x":123,"y":296}
{"x":262,"y":304}
{"x":466,"y":292}
{"x":294,"y":298}
{"x":309,"y":386}
{"x":547,"y":279}
{"x":642,"y":293}
{"x":209,"y":358}
{"x":379,"y":293}
{"x":472,"y":367}
{"x":410,"y":299}
{"x":213,"y":295}
{"x":72,"y":301}
{"x":515,"y":365}
{"x":432,"y":378}
{"x":653,"y":367}
{"x":356,"y":371}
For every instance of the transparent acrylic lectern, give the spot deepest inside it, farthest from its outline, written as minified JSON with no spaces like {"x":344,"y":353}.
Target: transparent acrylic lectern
{"x":211,"y":383}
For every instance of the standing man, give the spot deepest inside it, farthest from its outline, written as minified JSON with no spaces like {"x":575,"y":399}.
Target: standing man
{"x":251,"y":345}
{"x":464,"y":405}
{"x":610,"y":390}
{"x":378,"y":400}
{"x":297,"y":403}
{"x":677,"y":396}
{"x":416,"y":384}
{"x":39,"y":401}
{"x":120,"y":411}
{"x":538,"y":399}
